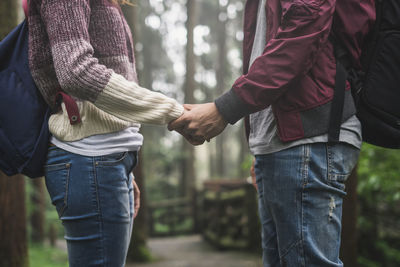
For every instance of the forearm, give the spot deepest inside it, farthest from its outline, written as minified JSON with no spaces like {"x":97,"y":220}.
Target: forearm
{"x":128,"y":101}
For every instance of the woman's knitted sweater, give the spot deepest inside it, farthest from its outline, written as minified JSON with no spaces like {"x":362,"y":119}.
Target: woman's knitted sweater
{"x":85,"y":48}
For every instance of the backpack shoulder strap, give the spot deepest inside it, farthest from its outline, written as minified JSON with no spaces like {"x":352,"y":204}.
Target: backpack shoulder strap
{"x":337,"y":105}
{"x":344,"y":72}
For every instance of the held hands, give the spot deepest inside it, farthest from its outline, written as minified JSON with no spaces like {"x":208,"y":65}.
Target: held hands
{"x":199,"y":123}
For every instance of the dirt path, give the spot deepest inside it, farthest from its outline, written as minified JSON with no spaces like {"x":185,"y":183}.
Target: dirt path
{"x":192,"y":251}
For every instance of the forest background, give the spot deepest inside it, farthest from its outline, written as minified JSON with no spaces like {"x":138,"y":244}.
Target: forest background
{"x":191,"y":50}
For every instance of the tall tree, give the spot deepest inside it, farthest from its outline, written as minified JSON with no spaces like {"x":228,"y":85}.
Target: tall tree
{"x":224,"y":20}
{"x":241,"y":133}
{"x":243,"y":151}
{"x":13,"y":241}
{"x":348,"y":248}
{"x":138,"y":250}
{"x":188,"y":173}
{"x":37,"y":217}
{"x":221,"y":73}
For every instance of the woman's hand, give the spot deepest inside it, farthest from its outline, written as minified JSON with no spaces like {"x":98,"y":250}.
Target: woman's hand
{"x":136,"y":197}
{"x":199,"y":122}
{"x":183,"y":130}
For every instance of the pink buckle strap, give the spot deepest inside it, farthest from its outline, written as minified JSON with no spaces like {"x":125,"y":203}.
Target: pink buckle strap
{"x":71,"y":106}
{"x":25,"y":7}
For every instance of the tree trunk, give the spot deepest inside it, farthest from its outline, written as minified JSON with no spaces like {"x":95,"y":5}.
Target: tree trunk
{"x":348,"y":248}
{"x":138,"y":250}
{"x":13,"y":243}
{"x":38,"y":214}
{"x":244,"y":151}
{"x":220,"y":77}
{"x":188,"y":173}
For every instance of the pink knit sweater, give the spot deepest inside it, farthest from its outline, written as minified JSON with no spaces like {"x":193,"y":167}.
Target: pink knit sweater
{"x":85,"y":48}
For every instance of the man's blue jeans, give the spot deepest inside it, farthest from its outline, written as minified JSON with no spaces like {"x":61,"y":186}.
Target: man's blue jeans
{"x":94,"y":200}
{"x":301,"y":192}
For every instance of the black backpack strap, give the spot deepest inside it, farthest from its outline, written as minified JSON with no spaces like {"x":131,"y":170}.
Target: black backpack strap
{"x":337,"y":106}
{"x":335,"y":120}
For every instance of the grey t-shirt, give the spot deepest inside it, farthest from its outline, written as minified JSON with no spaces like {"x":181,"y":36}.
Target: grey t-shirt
{"x":264,"y":137}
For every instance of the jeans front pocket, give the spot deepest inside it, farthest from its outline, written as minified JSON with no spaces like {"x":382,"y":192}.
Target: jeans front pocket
{"x":112,"y":159}
{"x":57,"y":178}
{"x":342,"y":159}
{"x":125,"y":160}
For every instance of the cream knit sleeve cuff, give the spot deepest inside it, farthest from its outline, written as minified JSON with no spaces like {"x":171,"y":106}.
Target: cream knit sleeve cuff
{"x":130,"y":102}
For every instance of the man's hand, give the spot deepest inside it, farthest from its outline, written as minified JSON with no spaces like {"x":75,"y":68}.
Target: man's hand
{"x":199,"y":123}
{"x":136,"y":197}
{"x":191,"y":139}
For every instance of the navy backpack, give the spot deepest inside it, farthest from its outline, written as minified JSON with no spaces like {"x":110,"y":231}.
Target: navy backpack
{"x":24,"y":114}
{"x":24,"y":133}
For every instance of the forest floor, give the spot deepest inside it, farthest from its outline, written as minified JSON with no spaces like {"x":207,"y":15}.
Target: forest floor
{"x":193,"y":251}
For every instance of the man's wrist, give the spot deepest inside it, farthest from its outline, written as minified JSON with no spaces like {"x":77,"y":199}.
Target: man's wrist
{"x":219,"y":116}
{"x":231,"y":107}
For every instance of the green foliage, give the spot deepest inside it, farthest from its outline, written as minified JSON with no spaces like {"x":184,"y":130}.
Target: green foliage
{"x":392,"y":254}
{"x":51,"y":216}
{"x":184,"y":226}
{"x":379,"y":173}
{"x":228,"y":195}
{"x":139,"y":253}
{"x":143,"y":254}
{"x":246,"y":164}
{"x":364,"y":262}
{"x":45,"y":256}
{"x":379,"y":209}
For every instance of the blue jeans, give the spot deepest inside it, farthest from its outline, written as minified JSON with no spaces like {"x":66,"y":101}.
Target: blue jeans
{"x":301,"y":192}
{"x":94,"y":200}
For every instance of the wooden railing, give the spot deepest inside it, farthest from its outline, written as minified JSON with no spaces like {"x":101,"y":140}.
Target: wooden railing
{"x":229,"y":214}
{"x":173,"y":216}
{"x":224,"y":212}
